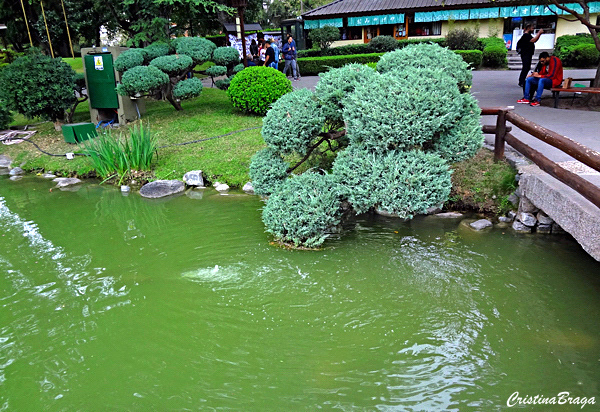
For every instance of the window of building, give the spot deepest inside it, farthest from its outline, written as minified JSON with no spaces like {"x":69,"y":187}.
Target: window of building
{"x":350,"y":33}
{"x":425,"y":29}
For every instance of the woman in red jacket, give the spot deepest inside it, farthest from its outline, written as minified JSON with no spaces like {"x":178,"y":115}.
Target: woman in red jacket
{"x":549,"y":76}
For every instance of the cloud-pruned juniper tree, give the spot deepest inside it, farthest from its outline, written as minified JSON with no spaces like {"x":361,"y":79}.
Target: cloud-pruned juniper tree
{"x":366,"y":140}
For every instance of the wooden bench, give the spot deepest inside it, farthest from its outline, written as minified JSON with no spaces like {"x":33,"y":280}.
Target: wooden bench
{"x":557,"y":90}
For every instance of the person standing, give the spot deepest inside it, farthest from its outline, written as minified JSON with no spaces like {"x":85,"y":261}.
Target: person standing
{"x":290,"y":57}
{"x":549,"y":76}
{"x":275,"y":63}
{"x":269,"y":54}
{"x":254,"y":49}
{"x":526,"y":48}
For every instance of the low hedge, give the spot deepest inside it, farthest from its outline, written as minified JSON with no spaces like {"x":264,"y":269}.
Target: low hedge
{"x":361,"y":48}
{"x":564,"y":45}
{"x":584,"y":55}
{"x":472,"y":57}
{"x":312,"y":66}
{"x":494,"y":56}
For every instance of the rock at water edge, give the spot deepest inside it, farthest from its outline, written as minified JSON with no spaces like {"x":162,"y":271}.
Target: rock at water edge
{"x":449,"y":215}
{"x":520,"y":227}
{"x":66,"y":181}
{"x":161,"y":188}
{"x":527,"y":219}
{"x":481,"y":224}
{"x":193,"y":178}
{"x":248,"y":188}
{"x":16,"y":171}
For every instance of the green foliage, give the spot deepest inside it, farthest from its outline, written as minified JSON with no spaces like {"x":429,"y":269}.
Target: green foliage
{"x":118,"y":156}
{"x":129,"y":59}
{"x":404,"y":183}
{"x":494,"y":56}
{"x":225,"y":56}
{"x":401,"y":109}
{"x":564,"y":45}
{"x":335,"y":51}
{"x":142,"y":80}
{"x":155,"y":50}
{"x":293,"y":122}
{"x":336,"y":85}
{"x":426,"y":56}
{"x":584,"y":55}
{"x":268,"y":170}
{"x":382,"y":44}
{"x":472,"y":57}
{"x":491,"y":41}
{"x":324,"y":36}
{"x":255,"y":88}
{"x":410,"y":42}
{"x":462,"y":39}
{"x":6,"y":117}
{"x":38,"y":86}
{"x":216,"y":71}
{"x":312,"y":66}
{"x":238,"y":68}
{"x":188,"y":88}
{"x":463,"y":138}
{"x":304,"y":209}
{"x":174,"y":64}
{"x":198,"y":48}
{"x":223,"y":84}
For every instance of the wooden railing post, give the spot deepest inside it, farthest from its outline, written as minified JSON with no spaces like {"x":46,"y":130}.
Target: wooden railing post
{"x":500,"y":134}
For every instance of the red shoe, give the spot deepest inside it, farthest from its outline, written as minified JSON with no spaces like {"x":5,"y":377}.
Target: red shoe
{"x":523,"y":100}
{"x":534,"y":103}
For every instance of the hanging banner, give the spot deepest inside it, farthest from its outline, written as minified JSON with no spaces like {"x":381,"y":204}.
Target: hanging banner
{"x":524,"y":11}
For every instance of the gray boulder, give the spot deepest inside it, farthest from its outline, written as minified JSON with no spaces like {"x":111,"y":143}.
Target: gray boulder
{"x":162,"y":188}
{"x":481,"y":224}
{"x":527,"y":219}
{"x":221,"y":187}
{"x":520,"y":227}
{"x":544,"y":229}
{"x":5,"y":162}
{"x":544,"y":219}
{"x":194,"y":178}
{"x":49,"y":176}
{"x":526,"y":206}
{"x":248,"y":188}
{"x":15,"y":178}
{"x":505,"y":219}
{"x":16,"y":171}
{"x":66,"y":181}
{"x":449,"y":215}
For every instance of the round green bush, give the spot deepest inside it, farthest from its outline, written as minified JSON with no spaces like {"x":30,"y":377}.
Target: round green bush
{"x":223,"y":84}
{"x":462,"y":39}
{"x":188,"y":88}
{"x":142,"y":79}
{"x":382,"y":44}
{"x":564,"y":45}
{"x":128,"y":59}
{"x":303,"y":210}
{"x":404,"y":183}
{"x":38,"y":86}
{"x":584,"y":55}
{"x":216,"y":71}
{"x":335,"y":86}
{"x":293,"y":122}
{"x":198,"y":48}
{"x":463,"y":138}
{"x":6,"y":117}
{"x":427,"y":56}
{"x":254,"y":89}
{"x":155,"y":50}
{"x":173,"y":64}
{"x":494,"y":56}
{"x":397,"y":111}
{"x":223,"y":56}
{"x":267,"y":171}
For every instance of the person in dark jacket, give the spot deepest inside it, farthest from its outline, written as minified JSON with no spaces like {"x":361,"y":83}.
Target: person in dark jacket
{"x":526,"y":48}
{"x":289,"y":54}
{"x":254,"y":49}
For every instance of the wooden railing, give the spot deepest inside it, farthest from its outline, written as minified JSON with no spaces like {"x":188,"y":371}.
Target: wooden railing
{"x":576,"y":150}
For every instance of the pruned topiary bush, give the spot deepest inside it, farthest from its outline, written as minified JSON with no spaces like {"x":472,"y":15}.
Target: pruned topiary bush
{"x":129,"y":59}
{"x":380,"y":141}
{"x":188,"y":88}
{"x":494,"y":56}
{"x":225,"y":56}
{"x":382,"y":44}
{"x":223,"y":84}
{"x":155,"y":50}
{"x":254,"y":89}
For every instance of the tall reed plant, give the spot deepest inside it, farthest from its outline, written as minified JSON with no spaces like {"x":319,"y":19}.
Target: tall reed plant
{"x":116,"y":156}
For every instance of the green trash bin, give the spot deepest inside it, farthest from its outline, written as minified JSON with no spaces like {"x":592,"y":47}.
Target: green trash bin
{"x":78,"y":132}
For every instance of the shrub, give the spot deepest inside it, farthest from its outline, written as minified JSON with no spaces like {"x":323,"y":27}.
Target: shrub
{"x":382,"y":44}
{"x":198,"y":48}
{"x":188,"y":88}
{"x":584,"y":55}
{"x":398,"y":182}
{"x":409,"y":42}
{"x":472,"y":57}
{"x":38,"y":86}
{"x":238,"y":68}
{"x":403,"y":108}
{"x":312,"y":66}
{"x":142,"y":80}
{"x":224,"y":56}
{"x":267,"y":171}
{"x":255,"y":88}
{"x":324,"y":36}
{"x":128,"y":59}
{"x":491,"y":41}
{"x":564,"y":45}
{"x":216,"y":71}
{"x":5,"y":116}
{"x":174,"y":64}
{"x":336,"y":85}
{"x":155,"y":50}
{"x":303,"y":210}
{"x":426,"y":56}
{"x":336,"y":51}
{"x":462,"y":39}
{"x":494,"y":56}
{"x":223,"y":84}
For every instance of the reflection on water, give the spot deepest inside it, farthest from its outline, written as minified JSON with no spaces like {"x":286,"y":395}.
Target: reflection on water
{"x":118,"y":303}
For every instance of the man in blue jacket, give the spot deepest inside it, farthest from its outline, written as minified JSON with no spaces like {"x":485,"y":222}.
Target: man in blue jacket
{"x":289,"y":54}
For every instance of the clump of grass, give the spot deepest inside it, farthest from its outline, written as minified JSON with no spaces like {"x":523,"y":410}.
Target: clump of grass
{"x":482,"y":184}
{"x":117,"y":156}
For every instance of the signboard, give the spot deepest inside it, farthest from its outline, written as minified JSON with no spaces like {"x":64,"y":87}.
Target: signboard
{"x":98,"y":63}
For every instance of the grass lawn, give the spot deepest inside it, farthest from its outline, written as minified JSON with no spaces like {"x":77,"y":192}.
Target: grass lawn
{"x":76,"y":63}
{"x":225,"y":159}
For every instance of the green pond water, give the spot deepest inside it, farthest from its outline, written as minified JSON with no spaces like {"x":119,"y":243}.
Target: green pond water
{"x":118,"y":303}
